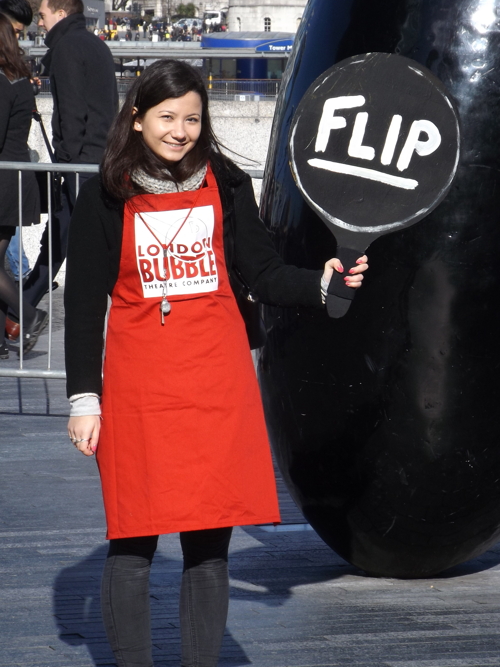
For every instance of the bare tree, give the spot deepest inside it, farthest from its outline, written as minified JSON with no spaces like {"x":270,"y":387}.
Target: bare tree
{"x":167,"y":7}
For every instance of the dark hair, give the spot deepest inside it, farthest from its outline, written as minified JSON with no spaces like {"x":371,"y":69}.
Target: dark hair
{"x":11,"y":60}
{"x":69,"y":6}
{"x":19,"y":10}
{"x":126,"y":149}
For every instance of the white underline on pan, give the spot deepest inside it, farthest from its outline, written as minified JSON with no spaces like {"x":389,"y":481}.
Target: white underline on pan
{"x":362,"y":172}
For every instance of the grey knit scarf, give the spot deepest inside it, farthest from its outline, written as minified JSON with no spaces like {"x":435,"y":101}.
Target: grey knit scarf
{"x":158,"y":186}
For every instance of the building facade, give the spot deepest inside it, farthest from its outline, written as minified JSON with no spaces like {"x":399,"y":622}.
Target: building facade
{"x":167,"y":8}
{"x":94,"y":13}
{"x":265,"y":15}
{"x":219,"y":5}
{"x":242,"y":15}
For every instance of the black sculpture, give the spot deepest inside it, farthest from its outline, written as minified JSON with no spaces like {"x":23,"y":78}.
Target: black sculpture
{"x":385,"y":422}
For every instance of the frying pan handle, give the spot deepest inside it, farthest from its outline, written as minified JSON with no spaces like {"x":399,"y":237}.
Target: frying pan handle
{"x":339,"y":296}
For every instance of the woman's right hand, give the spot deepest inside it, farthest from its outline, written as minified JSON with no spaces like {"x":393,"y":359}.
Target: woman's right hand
{"x":354,"y":277}
{"x":84,"y":433}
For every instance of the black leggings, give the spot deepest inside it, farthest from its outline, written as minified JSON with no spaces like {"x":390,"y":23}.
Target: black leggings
{"x":203,"y":602}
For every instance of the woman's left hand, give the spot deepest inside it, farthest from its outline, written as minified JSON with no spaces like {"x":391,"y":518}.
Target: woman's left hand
{"x":83,"y":432}
{"x":354,"y":275}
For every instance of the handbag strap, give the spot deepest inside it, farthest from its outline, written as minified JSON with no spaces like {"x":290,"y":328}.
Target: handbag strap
{"x":38,"y":117}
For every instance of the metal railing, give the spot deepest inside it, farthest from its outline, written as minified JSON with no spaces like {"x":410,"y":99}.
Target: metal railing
{"x":241,"y":90}
{"x":123,"y":83}
{"x":20,"y":167}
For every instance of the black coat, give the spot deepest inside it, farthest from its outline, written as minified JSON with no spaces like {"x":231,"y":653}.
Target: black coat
{"x":83,"y":85}
{"x":94,"y":256}
{"x":16,"y":110}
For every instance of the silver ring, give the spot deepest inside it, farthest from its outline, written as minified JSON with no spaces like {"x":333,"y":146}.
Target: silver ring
{"x":81,"y":440}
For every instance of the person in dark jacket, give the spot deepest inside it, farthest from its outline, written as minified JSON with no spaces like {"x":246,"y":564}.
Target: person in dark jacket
{"x":16,"y":106}
{"x":85,"y":98}
{"x":20,"y":15}
{"x":182,"y":444}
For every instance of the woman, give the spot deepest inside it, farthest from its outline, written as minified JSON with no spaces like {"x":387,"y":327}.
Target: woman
{"x":182,"y":439}
{"x":16,"y":109}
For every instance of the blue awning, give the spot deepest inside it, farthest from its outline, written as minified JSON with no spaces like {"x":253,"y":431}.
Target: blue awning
{"x":260,"y":41}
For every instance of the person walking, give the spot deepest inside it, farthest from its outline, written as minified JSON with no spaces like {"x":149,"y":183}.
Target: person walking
{"x":177,"y":423}
{"x":85,"y":98}
{"x":20,"y":15}
{"x":16,"y":107}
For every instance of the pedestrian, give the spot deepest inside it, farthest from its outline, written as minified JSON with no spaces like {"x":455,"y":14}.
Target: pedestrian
{"x":85,"y":99}
{"x":16,"y":107}
{"x":180,"y":435}
{"x":18,"y":12}
{"x":20,"y":15}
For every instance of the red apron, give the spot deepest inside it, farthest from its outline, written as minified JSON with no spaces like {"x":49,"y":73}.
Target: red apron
{"x":183,"y":443}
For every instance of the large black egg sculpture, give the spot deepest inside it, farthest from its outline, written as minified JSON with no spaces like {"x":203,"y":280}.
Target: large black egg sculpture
{"x":386,"y":422}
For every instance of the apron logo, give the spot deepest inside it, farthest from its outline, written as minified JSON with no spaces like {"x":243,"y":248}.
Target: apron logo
{"x":190,"y":265}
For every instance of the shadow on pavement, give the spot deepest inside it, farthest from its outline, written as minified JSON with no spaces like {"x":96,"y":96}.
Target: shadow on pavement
{"x":480,"y":564}
{"x":297,"y":576}
{"x":76,"y":604}
{"x":266,"y":574}
{"x":280,"y":581}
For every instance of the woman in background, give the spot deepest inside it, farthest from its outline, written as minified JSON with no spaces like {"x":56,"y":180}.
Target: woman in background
{"x":16,"y":109}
